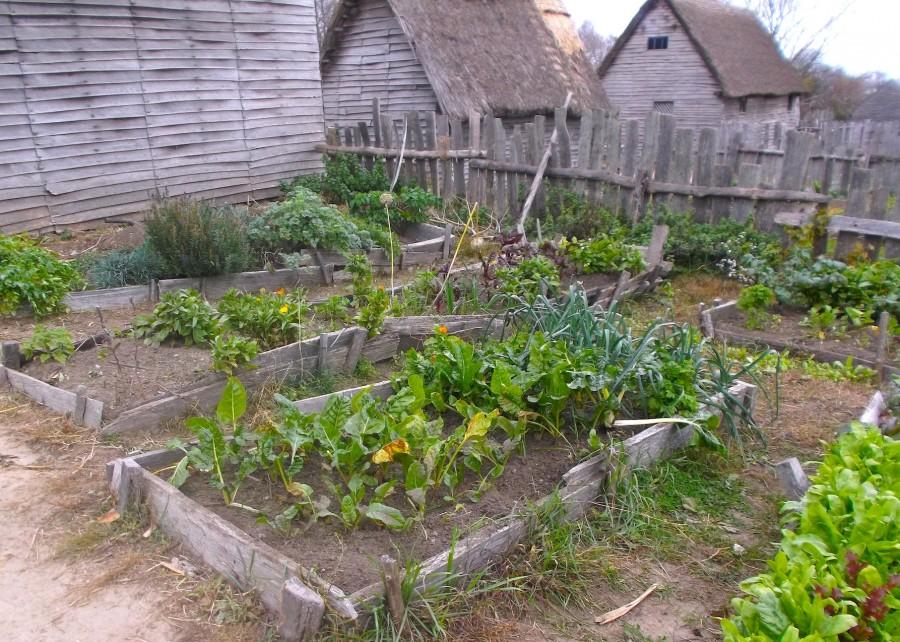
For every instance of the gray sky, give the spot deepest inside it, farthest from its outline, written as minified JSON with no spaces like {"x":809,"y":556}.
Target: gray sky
{"x":865,"y":38}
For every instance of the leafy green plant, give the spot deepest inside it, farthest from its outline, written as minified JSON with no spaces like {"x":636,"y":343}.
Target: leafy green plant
{"x":408,"y":204}
{"x":372,"y":303}
{"x":303,"y":221}
{"x":126,"y":267}
{"x":839,"y":371}
{"x":345,"y":177}
{"x":231,"y":352}
{"x":837,"y":574}
{"x":183,"y":314}
{"x":532,"y":276}
{"x":49,"y":343}
{"x":272,"y":319}
{"x":569,"y":214}
{"x":31,"y":275}
{"x":755,"y":301}
{"x":195,"y":238}
{"x":335,"y":309}
{"x":218,"y":453}
{"x":603,"y":254}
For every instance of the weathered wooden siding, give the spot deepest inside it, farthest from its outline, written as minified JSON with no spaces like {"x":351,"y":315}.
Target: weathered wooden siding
{"x":764,"y":109}
{"x":373,"y":58}
{"x":639,"y":77}
{"x":103,"y":104}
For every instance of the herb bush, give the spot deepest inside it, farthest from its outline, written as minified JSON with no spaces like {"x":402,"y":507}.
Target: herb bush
{"x":195,"y":238}
{"x":302,"y":220}
{"x":31,"y":275}
{"x":572,"y":372}
{"x":603,"y":254}
{"x":722,"y":246}
{"x":119,"y":268}
{"x":837,"y":574}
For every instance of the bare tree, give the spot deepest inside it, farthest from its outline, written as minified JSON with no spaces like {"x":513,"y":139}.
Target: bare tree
{"x":798,"y":27}
{"x":595,"y":45}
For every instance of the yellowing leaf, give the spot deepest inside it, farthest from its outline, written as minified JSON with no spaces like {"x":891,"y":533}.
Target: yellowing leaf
{"x":387,"y":453}
{"x":480,"y":424}
{"x":109,"y":517}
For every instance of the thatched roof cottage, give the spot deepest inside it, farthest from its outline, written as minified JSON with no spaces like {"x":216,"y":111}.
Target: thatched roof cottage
{"x":704,"y":61}
{"x":515,"y":58}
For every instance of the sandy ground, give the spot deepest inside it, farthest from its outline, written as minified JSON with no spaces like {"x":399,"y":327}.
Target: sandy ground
{"x":45,"y":597}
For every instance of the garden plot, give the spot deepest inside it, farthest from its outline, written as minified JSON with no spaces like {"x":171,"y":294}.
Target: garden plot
{"x":787,"y":328}
{"x":455,"y":440}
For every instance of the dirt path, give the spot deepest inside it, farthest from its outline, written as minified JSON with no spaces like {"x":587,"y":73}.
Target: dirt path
{"x":44,"y":596}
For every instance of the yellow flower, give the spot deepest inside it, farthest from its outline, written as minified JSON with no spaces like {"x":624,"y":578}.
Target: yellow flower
{"x":280,"y":291}
{"x":386,"y":454}
{"x":442,"y":329}
{"x":283,"y":309}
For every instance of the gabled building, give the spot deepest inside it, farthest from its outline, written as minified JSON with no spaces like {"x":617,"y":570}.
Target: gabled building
{"x":514,"y":58}
{"x":704,"y":61}
{"x":881,"y":105}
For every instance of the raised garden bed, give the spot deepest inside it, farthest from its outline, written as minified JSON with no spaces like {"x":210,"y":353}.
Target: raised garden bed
{"x":289,"y":587}
{"x":867,"y":347}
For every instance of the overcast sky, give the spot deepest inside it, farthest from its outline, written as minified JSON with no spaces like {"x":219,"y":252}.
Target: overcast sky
{"x":865,"y":38}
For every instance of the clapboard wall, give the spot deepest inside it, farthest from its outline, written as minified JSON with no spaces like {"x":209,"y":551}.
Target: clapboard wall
{"x":103,"y":104}
{"x":373,"y":58}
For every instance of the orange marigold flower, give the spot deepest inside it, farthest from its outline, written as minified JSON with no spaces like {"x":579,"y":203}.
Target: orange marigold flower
{"x":442,"y":329}
{"x":280,"y":291}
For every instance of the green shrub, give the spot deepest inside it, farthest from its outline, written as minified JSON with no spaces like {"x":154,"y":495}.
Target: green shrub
{"x":31,"y":275}
{"x":836,"y":576}
{"x":231,"y":352}
{"x":195,"y":238}
{"x":408,"y":204}
{"x":49,"y":343}
{"x":755,"y":301}
{"x":183,"y":314}
{"x":119,"y":268}
{"x":345,"y":177}
{"x":603,"y":254}
{"x":304,"y":221}
{"x":529,"y":277}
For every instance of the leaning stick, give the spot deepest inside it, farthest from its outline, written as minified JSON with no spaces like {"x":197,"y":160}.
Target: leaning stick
{"x":539,"y":175}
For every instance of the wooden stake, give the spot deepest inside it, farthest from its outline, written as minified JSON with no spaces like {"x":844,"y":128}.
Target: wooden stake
{"x":539,"y":175}
{"x":884,"y":336}
{"x":393,"y":592}
{"x":11,"y":355}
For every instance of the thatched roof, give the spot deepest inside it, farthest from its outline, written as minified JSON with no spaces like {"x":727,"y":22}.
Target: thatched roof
{"x":882,"y":104}
{"x":510,"y":57}
{"x":738,"y":50}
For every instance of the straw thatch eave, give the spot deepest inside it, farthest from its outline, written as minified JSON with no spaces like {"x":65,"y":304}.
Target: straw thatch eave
{"x":513,"y":58}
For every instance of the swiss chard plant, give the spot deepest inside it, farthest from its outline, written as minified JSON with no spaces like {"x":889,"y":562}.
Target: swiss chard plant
{"x":836,"y":576}
{"x":184,"y":315}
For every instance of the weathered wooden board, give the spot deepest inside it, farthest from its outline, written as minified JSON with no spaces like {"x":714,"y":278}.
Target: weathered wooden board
{"x":84,"y":411}
{"x":110,"y":299}
{"x":214,"y":287}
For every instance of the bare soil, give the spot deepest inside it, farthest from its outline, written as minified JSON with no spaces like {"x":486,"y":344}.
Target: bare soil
{"x":126,"y":372}
{"x":100,"y":237}
{"x":349,"y":559}
{"x":79,"y":324}
{"x":786,"y":325}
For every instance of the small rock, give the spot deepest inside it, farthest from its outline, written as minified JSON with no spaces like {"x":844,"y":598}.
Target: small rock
{"x":738,"y":550}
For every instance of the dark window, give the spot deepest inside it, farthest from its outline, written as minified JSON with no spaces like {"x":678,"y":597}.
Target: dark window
{"x":742,"y":105}
{"x":664,"y":106}
{"x":791,"y":100}
{"x":658,"y":42}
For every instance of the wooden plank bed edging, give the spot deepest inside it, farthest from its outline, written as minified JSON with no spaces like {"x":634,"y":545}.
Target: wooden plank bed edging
{"x":109,"y":299}
{"x":254,"y":565}
{"x":82,"y":409}
{"x":711,"y":316}
{"x":343,"y":350}
{"x":215,"y":287}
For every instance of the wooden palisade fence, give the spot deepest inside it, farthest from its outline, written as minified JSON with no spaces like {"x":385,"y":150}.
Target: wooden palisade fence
{"x":492,"y":164}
